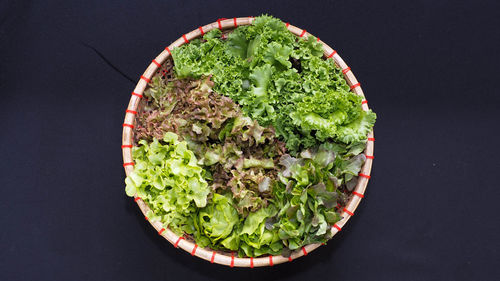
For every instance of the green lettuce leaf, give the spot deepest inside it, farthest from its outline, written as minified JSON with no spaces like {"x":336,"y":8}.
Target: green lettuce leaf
{"x":168,"y":179}
{"x":279,"y":80}
{"x":218,"y":219}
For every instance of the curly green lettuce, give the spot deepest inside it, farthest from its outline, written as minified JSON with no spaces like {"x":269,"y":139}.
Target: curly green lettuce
{"x":279,"y":80}
{"x":167,"y":177}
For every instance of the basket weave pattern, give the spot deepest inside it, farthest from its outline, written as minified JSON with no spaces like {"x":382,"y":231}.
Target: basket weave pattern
{"x":160,"y":65}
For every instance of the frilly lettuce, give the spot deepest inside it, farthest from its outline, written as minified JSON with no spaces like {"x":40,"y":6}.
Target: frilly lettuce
{"x":211,"y":165}
{"x":216,"y":221}
{"x":168,"y":178}
{"x":187,"y":107}
{"x":257,"y":236}
{"x":310,"y":191}
{"x":279,"y":80}
{"x":238,"y":154}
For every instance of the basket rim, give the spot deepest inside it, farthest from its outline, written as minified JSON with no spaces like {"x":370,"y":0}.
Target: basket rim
{"x":209,"y":254}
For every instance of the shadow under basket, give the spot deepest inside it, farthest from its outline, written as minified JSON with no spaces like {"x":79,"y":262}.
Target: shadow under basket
{"x":162,"y":65}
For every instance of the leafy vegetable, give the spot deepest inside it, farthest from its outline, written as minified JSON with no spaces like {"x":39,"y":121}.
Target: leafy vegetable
{"x":168,"y":178}
{"x":191,"y":109}
{"x":238,"y":152}
{"x":254,"y":146}
{"x":216,"y":222}
{"x":279,"y":80}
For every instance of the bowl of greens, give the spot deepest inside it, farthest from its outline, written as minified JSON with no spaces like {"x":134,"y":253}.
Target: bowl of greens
{"x":248,"y":142}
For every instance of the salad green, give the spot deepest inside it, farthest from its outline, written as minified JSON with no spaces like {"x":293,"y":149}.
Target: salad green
{"x":279,"y":81}
{"x":168,"y":178}
{"x":254,"y":146}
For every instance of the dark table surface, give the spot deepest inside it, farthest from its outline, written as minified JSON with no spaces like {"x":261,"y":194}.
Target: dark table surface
{"x":428,"y":69}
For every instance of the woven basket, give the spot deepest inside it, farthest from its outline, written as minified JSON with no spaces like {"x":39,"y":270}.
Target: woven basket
{"x":160,"y":66}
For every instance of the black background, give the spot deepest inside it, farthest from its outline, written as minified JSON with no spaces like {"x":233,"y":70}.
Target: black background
{"x":428,"y":68}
